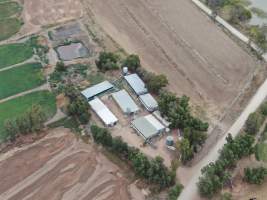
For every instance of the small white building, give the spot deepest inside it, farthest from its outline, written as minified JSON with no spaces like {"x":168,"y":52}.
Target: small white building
{"x":149,"y":102}
{"x":125,"y":102}
{"x":102,"y":111}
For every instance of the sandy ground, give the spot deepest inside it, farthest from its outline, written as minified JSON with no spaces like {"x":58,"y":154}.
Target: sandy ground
{"x":60,"y":167}
{"x":38,"y":13}
{"x":175,"y":38}
{"x":130,"y":136}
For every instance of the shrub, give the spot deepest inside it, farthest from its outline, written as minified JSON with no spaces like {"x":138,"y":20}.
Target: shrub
{"x":175,"y":191}
{"x":255,"y":175}
{"x":107,"y":61}
{"x":132,"y":62}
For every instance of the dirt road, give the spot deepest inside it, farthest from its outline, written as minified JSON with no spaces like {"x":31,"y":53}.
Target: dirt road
{"x":60,"y":167}
{"x":190,"y":191}
{"x":175,"y":38}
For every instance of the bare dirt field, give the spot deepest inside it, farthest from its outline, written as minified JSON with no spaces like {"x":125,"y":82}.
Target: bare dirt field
{"x":175,"y":38}
{"x":60,"y":167}
{"x":38,"y":13}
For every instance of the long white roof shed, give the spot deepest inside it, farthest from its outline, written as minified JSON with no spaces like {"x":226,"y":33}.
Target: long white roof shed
{"x":125,"y":102}
{"x":97,"y":89}
{"x":103,"y":112}
{"x":148,"y":126}
{"x":149,"y":102}
{"x":136,"y":84}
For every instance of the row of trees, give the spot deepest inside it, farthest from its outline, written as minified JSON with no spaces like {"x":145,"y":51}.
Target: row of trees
{"x":216,"y":174}
{"x":152,"y":170}
{"x":29,"y":122}
{"x":178,"y":112}
{"x":78,"y":107}
{"x":234,"y":10}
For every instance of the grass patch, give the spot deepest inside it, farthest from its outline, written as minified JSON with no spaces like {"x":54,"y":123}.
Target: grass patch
{"x":16,"y":107}
{"x":8,"y":9}
{"x":261,"y":152}
{"x":96,"y":78}
{"x":67,"y":122}
{"x":20,"y":79}
{"x":9,"y":27}
{"x":12,"y":54}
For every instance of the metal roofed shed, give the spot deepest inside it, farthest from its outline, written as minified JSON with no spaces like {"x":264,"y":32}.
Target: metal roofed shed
{"x":161,"y":119}
{"x":148,"y":126}
{"x":136,"y":84}
{"x":125,"y":102}
{"x":97,"y":89}
{"x":103,"y":112}
{"x":149,"y":102}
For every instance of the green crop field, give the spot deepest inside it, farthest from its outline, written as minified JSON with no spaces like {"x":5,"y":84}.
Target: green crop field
{"x":261,"y":152}
{"x":8,"y":9}
{"x":12,"y":54}
{"x":20,"y":79}
{"x":9,"y":27}
{"x":16,"y":107}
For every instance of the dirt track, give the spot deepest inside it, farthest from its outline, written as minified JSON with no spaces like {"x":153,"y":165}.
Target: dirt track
{"x":60,"y":167}
{"x":175,"y":38}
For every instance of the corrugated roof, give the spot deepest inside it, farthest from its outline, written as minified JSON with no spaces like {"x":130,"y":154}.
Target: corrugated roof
{"x":149,"y":102}
{"x":161,"y":119}
{"x":155,"y":122}
{"x":97,"y":89}
{"x":125,"y":102}
{"x":136,"y":84}
{"x":148,"y":126}
{"x":103,"y":112}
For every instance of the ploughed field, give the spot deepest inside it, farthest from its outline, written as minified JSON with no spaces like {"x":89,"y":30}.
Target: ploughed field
{"x":60,"y":167}
{"x":176,"y":39}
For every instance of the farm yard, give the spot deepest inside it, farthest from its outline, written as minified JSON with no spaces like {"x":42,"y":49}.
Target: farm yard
{"x":128,"y":129}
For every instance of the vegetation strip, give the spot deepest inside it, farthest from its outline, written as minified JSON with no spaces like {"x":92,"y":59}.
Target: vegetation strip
{"x":16,"y":107}
{"x":20,"y":79}
{"x":11,"y":54}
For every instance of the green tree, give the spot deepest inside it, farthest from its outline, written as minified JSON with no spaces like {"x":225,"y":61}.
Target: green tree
{"x":186,"y":150}
{"x":255,"y":175}
{"x":107,"y":61}
{"x":156,"y":82}
{"x":132,"y":62}
{"x":60,"y":67}
{"x":175,"y":191}
{"x":253,"y":123}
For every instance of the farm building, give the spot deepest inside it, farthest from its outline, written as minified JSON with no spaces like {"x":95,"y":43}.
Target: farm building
{"x":136,"y":84}
{"x":125,"y":102}
{"x":148,"y":126}
{"x":97,"y":89}
{"x":103,"y":112}
{"x":149,"y":102}
{"x":161,"y":119}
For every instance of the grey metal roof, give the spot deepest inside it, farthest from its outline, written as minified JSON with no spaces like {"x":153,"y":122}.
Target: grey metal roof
{"x":148,"y":126}
{"x":149,"y":102}
{"x":97,"y":89}
{"x":125,"y":102}
{"x":136,"y":84}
